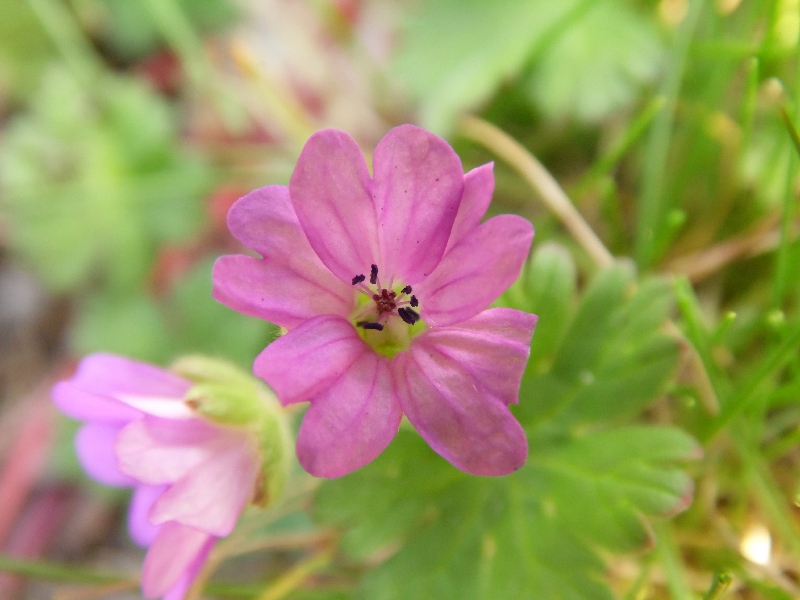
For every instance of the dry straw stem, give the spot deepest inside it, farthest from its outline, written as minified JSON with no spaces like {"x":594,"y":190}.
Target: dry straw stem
{"x":554,"y":197}
{"x":699,"y":265}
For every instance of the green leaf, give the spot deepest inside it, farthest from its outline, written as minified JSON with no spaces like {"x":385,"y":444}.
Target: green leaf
{"x":546,"y":287}
{"x":614,"y":358}
{"x":451,"y":535}
{"x":606,"y":480}
{"x":455,"y":53}
{"x":93,"y":186}
{"x":25,"y":49}
{"x":130,"y":30}
{"x":201,"y":325}
{"x":598,"y":65}
{"x":132,"y":326}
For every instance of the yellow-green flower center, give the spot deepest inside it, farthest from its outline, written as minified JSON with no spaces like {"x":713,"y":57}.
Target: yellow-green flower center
{"x":386,"y":318}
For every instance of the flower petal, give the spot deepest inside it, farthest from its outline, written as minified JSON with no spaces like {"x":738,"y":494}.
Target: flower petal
{"x":157,"y":451}
{"x":309,"y":358}
{"x":331,"y":192}
{"x":101,"y":379}
{"x":213,"y":494}
{"x":290,"y":284}
{"x":478,"y":188}
{"x":263,"y":289}
{"x":473,"y":430}
{"x":179,"y":590}
{"x":79,"y":404}
{"x":94,"y":445}
{"x":418,"y":186}
{"x":475,"y":271}
{"x":141,"y":530}
{"x":173,"y":555}
{"x":493,"y":347}
{"x":349,"y":424}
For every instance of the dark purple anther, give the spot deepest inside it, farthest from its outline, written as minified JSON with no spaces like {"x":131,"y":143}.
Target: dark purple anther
{"x":414,"y":301}
{"x":407,"y":315}
{"x":414,"y":314}
{"x":373,"y":274}
{"x":368,"y":325}
{"x":406,"y":290}
{"x":358,"y":279}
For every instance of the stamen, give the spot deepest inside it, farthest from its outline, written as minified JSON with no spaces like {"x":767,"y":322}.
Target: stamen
{"x":414,"y":301}
{"x":406,"y":290}
{"x":358,"y":279}
{"x":369,"y":325}
{"x":408,"y":315}
{"x":373,"y":274}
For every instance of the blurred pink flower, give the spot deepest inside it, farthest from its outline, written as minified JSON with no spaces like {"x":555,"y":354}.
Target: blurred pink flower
{"x":383,"y":284}
{"x":192,"y":478}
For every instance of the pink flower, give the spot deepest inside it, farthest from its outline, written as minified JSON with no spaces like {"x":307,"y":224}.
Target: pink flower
{"x":383,"y":284}
{"x":191,"y":477}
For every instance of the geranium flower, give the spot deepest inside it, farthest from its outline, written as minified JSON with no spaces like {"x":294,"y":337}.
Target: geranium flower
{"x":191,"y":477}
{"x":383,"y":284}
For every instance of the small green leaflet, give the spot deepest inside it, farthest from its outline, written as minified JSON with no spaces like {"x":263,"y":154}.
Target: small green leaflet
{"x":598,"y":65}
{"x":462,"y":537}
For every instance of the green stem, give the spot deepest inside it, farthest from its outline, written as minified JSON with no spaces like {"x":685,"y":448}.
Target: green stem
{"x":719,"y":586}
{"x":179,"y":34}
{"x":620,"y":147}
{"x":68,"y":37}
{"x":768,"y":494}
{"x":62,"y":573}
{"x":651,"y":213}
{"x":56,"y":572}
{"x":783,"y":259}
{"x":747,"y":391}
{"x":670,"y":560}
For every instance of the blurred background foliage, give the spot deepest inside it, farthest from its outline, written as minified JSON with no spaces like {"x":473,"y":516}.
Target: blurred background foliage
{"x":662,"y":398}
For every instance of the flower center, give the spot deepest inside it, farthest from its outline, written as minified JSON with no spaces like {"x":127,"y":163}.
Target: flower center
{"x":377,"y":308}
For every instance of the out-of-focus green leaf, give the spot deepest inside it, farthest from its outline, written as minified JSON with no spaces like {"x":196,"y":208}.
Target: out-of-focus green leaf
{"x":188,"y":321}
{"x":455,"y":53}
{"x":129,"y":325}
{"x":614,"y":357}
{"x":598,"y":65}
{"x":130,"y":30}
{"x":204,"y":326}
{"x":472,"y":538}
{"x":24,"y":48}
{"x":93,"y":185}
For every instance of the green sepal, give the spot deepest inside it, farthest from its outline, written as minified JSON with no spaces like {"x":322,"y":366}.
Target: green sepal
{"x":226,"y":395}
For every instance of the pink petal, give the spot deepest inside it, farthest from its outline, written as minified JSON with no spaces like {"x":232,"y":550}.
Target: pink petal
{"x":79,"y":404}
{"x":493,"y":347}
{"x":290,"y":284}
{"x":157,"y":451}
{"x":94,"y":445}
{"x":331,"y":193}
{"x":305,"y":361}
{"x":104,"y":380}
{"x":478,"y":188}
{"x":214,"y":493}
{"x":469,"y":427}
{"x":475,"y":271}
{"x":178,"y":551}
{"x":179,"y":590}
{"x":141,"y":530}
{"x":418,"y":186}
{"x":349,"y":424}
